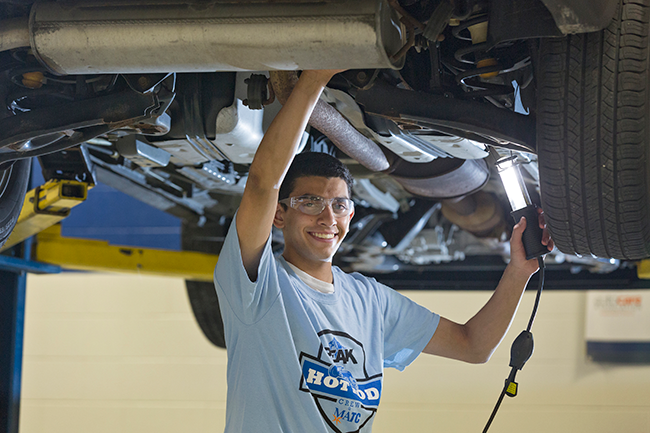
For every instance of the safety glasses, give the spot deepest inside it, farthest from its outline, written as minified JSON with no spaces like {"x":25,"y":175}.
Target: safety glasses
{"x":314,"y":205}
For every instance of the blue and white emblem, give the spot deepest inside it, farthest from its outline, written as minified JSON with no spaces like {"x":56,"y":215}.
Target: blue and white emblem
{"x":346,"y":396}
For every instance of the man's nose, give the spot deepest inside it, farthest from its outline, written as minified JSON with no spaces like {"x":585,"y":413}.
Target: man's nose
{"x":327,"y":215}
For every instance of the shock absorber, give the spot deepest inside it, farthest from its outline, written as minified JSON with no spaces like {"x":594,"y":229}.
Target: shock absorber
{"x":483,"y":65}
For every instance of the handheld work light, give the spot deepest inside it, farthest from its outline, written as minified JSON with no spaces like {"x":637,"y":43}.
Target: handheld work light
{"x":522,"y":347}
{"x":521,"y":205}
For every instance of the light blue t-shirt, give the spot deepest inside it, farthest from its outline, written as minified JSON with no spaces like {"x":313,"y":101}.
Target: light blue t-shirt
{"x":303,"y":361}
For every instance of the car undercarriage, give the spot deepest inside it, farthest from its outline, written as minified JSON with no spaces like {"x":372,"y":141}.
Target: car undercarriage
{"x":167,"y":101}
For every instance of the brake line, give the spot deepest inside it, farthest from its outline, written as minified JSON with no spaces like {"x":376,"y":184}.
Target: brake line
{"x":521,"y":350}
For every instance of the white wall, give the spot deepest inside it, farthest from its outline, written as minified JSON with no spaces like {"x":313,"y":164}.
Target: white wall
{"x":112,"y":353}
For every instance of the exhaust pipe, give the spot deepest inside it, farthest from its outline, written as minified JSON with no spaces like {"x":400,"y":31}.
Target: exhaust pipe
{"x":442,"y":178}
{"x":330,"y":122}
{"x":153,"y":36}
{"x":14,"y":33}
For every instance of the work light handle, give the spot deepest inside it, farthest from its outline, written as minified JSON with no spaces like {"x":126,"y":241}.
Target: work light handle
{"x":532,"y":237}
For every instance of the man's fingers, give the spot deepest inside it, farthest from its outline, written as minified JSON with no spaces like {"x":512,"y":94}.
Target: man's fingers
{"x":520,"y":226}
{"x":517,"y":233}
{"x":540,"y":218}
{"x":517,"y":250}
{"x":546,"y":236}
{"x":550,"y":244}
{"x":324,"y":74}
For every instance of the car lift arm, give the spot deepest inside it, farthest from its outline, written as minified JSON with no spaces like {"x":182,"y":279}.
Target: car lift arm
{"x":45,"y":206}
{"x":643,"y":269}
{"x":100,"y":256}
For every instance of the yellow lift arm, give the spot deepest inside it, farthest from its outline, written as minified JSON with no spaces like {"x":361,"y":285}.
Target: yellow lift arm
{"x":100,"y":256}
{"x":643,"y":269}
{"x":45,"y":206}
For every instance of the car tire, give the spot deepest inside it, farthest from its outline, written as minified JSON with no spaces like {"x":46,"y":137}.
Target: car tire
{"x":205,"y":306}
{"x":205,"y":238}
{"x":13,"y":186}
{"x":593,"y":138}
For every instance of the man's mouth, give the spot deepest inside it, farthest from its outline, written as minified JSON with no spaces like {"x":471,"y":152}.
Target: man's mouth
{"x":323,"y":235}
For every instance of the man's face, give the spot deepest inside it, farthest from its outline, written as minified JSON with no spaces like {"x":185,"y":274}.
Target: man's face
{"x":313,"y":238}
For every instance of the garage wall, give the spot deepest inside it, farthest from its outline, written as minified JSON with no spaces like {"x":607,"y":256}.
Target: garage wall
{"x":109,"y":353}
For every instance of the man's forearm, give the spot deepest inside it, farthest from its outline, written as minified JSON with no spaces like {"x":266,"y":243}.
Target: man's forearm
{"x":281,"y":140}
{"x":476,"y":340}
{"x":488,"y":327}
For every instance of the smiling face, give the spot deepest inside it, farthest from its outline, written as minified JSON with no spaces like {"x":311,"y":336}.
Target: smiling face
{"x":312,"y":240}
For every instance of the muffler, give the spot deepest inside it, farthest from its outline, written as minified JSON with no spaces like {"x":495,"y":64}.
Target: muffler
{"x":170,"y":36}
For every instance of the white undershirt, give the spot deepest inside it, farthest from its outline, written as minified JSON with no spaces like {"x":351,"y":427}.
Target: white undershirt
{"x":314,"y":283}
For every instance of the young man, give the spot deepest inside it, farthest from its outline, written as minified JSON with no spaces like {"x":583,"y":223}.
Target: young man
{"x":307,"y":343}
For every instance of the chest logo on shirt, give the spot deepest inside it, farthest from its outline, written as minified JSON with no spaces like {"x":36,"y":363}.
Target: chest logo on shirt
{"x":336,"y":377}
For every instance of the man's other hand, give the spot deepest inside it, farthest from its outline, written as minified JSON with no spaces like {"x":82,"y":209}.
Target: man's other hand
{"x":517,"y":251}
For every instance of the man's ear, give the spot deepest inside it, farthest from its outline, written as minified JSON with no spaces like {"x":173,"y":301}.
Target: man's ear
{"x":278,"y":219}
{"x":351,"y":215}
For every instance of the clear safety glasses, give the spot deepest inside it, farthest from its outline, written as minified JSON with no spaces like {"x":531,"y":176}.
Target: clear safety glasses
{"x":314,"y":205}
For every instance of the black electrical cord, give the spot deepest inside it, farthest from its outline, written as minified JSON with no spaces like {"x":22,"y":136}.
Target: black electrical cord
{"x":540,"y":286}
{"x":521,"y":349}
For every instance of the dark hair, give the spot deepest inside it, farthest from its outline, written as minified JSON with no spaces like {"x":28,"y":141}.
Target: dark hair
{"x":314,"y":164}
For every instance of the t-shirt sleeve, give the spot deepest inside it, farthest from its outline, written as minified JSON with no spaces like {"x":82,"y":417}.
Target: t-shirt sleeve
{"x":408,"y":327}
{"x":248,"y":300}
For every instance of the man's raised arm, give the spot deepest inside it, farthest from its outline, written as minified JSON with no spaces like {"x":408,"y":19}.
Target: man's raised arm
{"x":271,"y":162}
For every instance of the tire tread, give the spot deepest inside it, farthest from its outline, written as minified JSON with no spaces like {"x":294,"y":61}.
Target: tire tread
{"x":593,"y":140}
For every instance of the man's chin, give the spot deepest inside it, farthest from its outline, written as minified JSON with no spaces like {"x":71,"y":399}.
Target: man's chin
{"x":317,"y":252}
{"x":323,"y":256}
